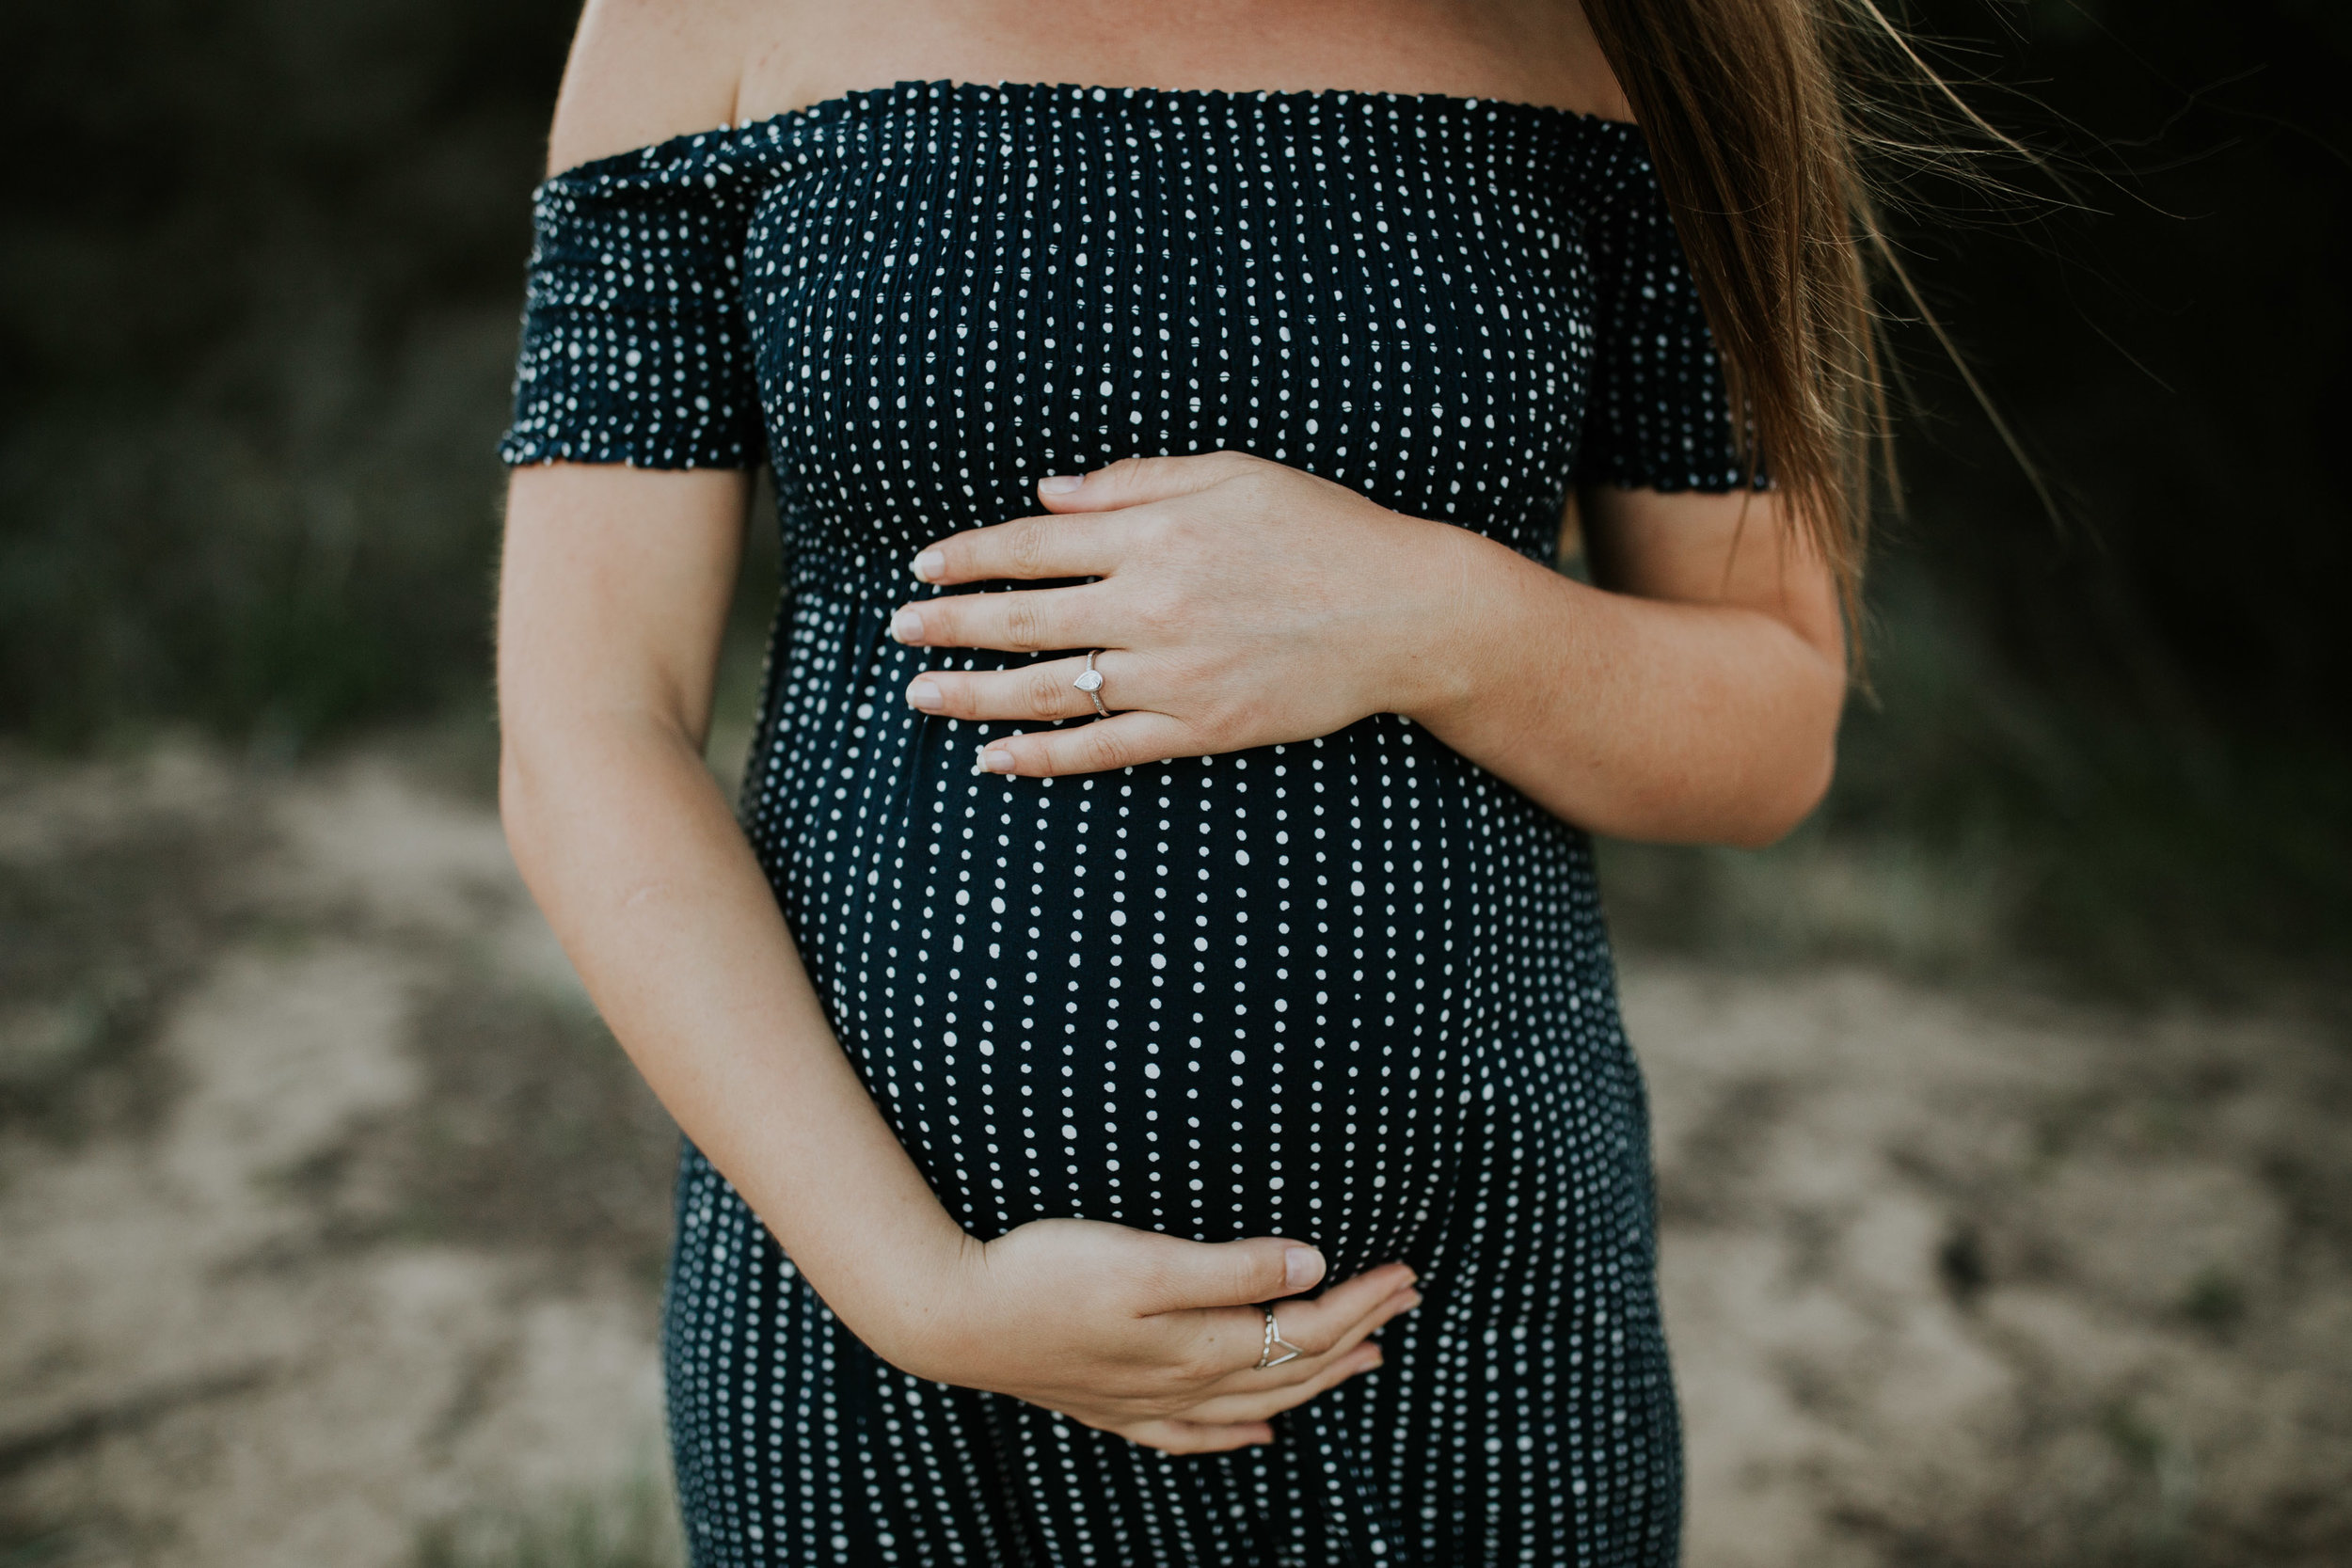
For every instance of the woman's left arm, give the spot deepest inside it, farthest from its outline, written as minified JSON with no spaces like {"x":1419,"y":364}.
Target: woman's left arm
{"x":1693,"y":696}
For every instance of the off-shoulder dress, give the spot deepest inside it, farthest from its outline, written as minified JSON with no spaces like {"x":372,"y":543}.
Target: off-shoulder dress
{"x":1354,"y":989}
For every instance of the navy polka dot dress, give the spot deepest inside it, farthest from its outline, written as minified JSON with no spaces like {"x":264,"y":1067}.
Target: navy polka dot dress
{"x":1353,"y":990}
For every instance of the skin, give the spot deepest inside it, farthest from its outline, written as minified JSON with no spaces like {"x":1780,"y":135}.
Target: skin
{"x":1692,"y":695}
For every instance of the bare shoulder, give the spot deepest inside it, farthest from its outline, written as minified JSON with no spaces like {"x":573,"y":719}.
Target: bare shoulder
{"x":644,"y":70}
{"x":1556,"y":46}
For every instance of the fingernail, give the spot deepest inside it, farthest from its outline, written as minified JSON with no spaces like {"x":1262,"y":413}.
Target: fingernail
{"x":1058,"y":484}
{"x":928,"y":566}
{"x":906,"y":626}
{"x":924,"y":694}
{"x":993,"y":761}
{"x":1302,"y":1267}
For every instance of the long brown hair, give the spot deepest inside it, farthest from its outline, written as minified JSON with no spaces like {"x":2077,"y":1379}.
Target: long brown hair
{"x":1762,"y":118}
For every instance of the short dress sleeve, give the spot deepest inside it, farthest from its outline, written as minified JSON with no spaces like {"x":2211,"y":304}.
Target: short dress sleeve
{"x":635,"y":343}
{"x":1657,"y":415}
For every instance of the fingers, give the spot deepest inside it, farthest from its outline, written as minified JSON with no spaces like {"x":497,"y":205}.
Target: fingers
{"x":1137,"y":480}
{"x":1194,"y":1436}
{"x":1227,"y":1274}
{"x":1253,"y":1394}
{"x":1059,"y":546}
{"x":1025,"y":621}
{"x":1035,"y":693}
{"x":1321,"y":1340}
{"x":1239,"y":1421}
{"x":1123,"y":741}
{"x":1233,"y":1339}
{"x":1310,"y":1366}
{"x":1228,"y":1408}
{"x":1326,"y":1323}
{"x":1025,"y":548}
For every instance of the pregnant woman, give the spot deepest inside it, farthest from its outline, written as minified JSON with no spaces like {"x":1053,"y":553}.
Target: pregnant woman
{"x":1157,"y":951}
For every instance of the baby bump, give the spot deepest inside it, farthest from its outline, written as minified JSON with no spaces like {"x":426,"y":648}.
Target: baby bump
{"x":1213,"y":1125}
{"x":1222,"y":996}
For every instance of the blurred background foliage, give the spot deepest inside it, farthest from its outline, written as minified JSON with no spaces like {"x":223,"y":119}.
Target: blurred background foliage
{"x":259,"y":277}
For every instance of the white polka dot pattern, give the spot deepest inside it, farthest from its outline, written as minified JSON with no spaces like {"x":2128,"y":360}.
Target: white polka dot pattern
{"x":1355,"y":989}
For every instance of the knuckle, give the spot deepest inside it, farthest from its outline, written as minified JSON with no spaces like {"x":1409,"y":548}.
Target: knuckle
{"x":1165,"y":1399}
{"x":1143,"y":1410}
{"x":1152,"y":1278}
{"x":1215,"y":731}
{"x":1253,"y":484}
{"x":1198,"y":1364}
{"x":1025,"y":626}
{"x":1318,"y":1341}
{"x":1025,"y":548}
{"x":1042,"y":693}
{"x":1231,"y":462}
{"x":1097,"y":753}
{"x":1330,"y":1366}
{"x":1156,"y":612}
{"x":1179,"y":533}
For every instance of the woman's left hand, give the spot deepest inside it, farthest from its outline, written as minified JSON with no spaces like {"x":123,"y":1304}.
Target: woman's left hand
{"x":1241,"y":603}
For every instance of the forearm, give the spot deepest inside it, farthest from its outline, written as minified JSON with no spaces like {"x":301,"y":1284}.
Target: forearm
{"x":1633,"y":717}
{"x":625,"y":842}
{"x":1242,"y":603}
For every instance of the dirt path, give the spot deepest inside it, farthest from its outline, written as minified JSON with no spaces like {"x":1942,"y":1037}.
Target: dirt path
{"x":1955,"y":1281}
{"x":333,"y":1224}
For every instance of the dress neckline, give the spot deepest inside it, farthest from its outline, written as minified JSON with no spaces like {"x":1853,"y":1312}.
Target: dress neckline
{"x":861,"y":102}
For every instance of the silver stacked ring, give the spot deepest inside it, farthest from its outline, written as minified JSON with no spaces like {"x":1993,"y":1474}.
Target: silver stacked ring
{"x":1274,"y":1341}
{"x":1090,"y":682}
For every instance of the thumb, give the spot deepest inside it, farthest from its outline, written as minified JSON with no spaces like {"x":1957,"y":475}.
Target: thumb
{"x":1135,"y":481}
{"x":1236,"y":1273}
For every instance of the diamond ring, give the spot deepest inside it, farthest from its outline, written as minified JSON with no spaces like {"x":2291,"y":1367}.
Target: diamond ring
{"x":1090,"y":682}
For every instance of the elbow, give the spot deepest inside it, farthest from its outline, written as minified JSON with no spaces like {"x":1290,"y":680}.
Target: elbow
{"x":1797,"y":772}
{"x":529,"y":766}
{"x":1754,"y":813}
{"x":515,"y":797}
{"x":513,"y":785}
{"x":1780,"y":810}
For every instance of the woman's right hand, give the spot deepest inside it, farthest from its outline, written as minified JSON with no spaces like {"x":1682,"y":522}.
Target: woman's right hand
{"x":1148,"y":1335}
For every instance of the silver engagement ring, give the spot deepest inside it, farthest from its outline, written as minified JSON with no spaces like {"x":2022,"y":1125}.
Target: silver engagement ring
{"x":1090,"y":682}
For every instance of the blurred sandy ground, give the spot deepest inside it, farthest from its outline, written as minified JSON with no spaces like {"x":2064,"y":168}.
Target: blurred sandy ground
{"x":333,"y":1222}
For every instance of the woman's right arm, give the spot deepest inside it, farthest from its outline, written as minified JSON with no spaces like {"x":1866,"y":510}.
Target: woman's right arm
{"x":614,"y":595}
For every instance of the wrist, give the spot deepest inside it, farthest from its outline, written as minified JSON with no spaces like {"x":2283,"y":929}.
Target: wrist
{"x":893,"y":1278}
{"x":1457,"y":592}
{"x":914,"y":1305}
